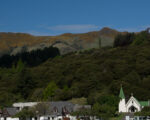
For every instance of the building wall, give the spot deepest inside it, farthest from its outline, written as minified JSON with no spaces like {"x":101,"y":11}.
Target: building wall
{"x":55,"y":118}
{"x":133,"y":102}
{"x":8,"y":118}
{"x":122,"y":105}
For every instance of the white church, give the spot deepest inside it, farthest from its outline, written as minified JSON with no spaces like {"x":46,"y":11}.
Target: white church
{"x":132,"y":105}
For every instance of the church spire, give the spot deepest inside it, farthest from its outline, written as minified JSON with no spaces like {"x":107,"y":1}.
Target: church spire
{"x":121,"y":95}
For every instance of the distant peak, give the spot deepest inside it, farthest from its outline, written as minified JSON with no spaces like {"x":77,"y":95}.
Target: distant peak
{"x":107,"y":30}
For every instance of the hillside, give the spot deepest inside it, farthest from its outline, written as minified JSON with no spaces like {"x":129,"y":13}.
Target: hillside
{"x":17,"y":42}
{"x":101,"y":71}
{"x":91,"y":74}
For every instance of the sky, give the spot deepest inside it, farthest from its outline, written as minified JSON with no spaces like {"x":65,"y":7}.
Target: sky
{"x":54,"y":17}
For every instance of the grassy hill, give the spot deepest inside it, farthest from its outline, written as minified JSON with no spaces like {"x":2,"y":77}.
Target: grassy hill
{"x":16,"y":42}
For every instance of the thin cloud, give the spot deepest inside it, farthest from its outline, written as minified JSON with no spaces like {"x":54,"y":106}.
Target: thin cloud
{"x":73,"y":28}
{"x":38,"y":33}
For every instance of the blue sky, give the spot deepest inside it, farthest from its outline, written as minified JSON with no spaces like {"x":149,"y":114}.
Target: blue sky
{"x":53,"y":17}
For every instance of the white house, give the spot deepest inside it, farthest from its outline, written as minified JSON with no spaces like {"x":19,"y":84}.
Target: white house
{"x":21,"y":105}
{"x":132,"y":105}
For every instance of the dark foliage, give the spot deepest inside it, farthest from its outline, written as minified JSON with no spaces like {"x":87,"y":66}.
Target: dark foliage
{"x":124,"y":40}
{"x":91,"y":75}
{"x":145,"y":112}
{"x":32,"y":58}
{"x":132,"y":39}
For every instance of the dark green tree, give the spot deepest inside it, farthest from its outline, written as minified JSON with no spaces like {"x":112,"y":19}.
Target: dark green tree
{"x":123,"y":40}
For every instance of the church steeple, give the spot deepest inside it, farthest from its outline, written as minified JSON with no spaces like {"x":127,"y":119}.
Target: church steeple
{"x":122,"y":103}
{"x":121,"y":95}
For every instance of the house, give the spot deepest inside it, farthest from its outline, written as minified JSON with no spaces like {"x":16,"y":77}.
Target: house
{"x":7,"y":113}
{"x":132,"y":105}
{"x":57,"y":110}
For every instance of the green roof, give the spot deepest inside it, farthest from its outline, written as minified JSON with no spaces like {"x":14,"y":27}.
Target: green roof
{"x":144,"y":103}
{"x":121,"y":95}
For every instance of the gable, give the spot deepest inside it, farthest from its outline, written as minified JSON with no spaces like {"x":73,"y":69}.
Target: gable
{"x":134,"y":100}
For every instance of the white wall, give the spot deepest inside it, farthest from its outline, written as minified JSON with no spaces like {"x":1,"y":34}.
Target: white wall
{"x":122,"y":105}
{"x":43,"y":118}
{"x":71,"y":117}
{"x":9,"y":118}
{"x":12,"y":118}
{"x":46,"y":118}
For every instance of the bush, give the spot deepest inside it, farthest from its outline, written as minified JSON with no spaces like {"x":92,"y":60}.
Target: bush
{"x":25,"y":113}
{"x":145,"y":112}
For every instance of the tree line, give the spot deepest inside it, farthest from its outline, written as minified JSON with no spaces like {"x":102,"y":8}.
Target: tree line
{"x":132,"y":39}
{"x":31,"y":59}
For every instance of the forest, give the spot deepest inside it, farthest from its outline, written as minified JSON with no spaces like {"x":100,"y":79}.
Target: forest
{"x":95,"y":74}
{"x":31,"y":59}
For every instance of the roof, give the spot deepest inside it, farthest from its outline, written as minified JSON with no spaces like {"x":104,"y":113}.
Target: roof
{"x":70,"y":107}
{"x":56,"y":108}
{"x":10,"y":111}
{"x":25,"y":104}
{"x":60,"y":105}
{"x":144,"y":103}
{"x":121,"y":95}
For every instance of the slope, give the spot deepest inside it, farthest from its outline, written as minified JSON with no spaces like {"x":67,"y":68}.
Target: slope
{"x":14,"y":43}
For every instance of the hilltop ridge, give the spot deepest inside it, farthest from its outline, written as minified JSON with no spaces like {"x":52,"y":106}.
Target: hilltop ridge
{"x":13,"y":43}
